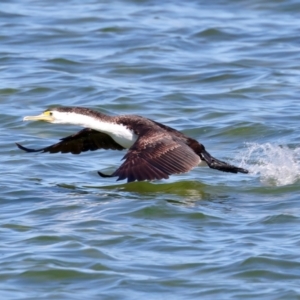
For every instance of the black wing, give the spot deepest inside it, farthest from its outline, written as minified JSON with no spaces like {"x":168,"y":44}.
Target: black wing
{"x":84,"y":140}
{"x":156,"y":155}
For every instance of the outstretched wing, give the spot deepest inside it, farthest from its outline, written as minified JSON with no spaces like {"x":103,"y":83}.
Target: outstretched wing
{"x":84,"y":140}
{"x":156,"y":155}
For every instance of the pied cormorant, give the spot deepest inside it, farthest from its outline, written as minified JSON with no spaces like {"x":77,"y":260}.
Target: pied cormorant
{"x":155,"y":150}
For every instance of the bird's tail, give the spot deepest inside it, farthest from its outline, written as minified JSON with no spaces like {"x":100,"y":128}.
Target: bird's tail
{"x":220,"y":165}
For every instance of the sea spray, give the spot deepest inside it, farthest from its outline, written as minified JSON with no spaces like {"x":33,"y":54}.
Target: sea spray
{"x":275,"y":164}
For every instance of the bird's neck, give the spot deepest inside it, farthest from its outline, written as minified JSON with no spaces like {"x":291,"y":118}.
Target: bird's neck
{"x":106,"y":124}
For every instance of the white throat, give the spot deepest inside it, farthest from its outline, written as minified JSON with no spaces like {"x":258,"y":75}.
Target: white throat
{"x":118,"y":132}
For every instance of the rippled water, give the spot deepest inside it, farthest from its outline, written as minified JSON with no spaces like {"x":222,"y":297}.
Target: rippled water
{"x":224,"y":72}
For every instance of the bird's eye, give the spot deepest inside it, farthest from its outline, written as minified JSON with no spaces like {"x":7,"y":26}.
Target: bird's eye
{"x":50,"y":113}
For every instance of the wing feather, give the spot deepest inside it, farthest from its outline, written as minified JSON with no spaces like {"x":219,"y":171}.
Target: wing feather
{"x":156,"y":155}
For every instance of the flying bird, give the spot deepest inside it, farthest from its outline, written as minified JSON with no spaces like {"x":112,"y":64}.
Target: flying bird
{"x":155,"y":151}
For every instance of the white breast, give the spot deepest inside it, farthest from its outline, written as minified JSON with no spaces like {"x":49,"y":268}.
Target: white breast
{"x":121,"y":134}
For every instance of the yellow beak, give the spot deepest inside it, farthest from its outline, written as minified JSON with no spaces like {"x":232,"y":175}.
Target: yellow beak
{"x":45,"y":116}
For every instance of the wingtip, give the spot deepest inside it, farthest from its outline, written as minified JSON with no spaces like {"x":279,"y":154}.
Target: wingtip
{"x":104,"y":175}
{"x":26,"y":149}
{"x":21,"y":147}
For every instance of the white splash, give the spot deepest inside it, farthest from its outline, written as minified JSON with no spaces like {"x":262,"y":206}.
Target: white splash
{"x":277,"y":165}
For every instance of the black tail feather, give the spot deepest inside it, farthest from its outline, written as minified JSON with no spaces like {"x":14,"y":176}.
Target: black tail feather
{"x":220,"y":165}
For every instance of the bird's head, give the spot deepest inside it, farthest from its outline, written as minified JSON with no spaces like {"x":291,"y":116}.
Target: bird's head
{"x":54,"y":115}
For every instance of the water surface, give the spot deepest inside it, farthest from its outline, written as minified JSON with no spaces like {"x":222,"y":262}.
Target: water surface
{"x":225,"y":73}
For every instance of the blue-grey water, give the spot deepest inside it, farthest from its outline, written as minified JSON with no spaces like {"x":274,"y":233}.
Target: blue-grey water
{"x":226,"y":73}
